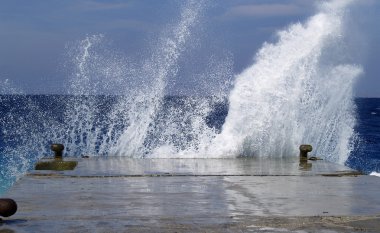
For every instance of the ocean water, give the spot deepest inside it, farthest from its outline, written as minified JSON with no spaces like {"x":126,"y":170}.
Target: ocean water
{"x":298,"y":90}
{"x":366,"y":156}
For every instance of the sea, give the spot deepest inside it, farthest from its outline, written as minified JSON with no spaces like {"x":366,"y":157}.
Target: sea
{"x":366,"y":156}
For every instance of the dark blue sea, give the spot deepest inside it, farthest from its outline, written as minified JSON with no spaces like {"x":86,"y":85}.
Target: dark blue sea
{"x":25,"y":130}
{"x":366,"y":157}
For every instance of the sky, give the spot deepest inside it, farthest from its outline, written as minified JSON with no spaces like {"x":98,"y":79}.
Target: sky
{"x":36,"y":35}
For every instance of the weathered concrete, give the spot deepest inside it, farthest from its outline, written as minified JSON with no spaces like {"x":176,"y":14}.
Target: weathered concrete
{"x":196,"y":195}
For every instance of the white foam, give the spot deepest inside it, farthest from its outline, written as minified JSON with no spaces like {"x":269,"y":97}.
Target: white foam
{"x":159,"y":69}
{"x":296,"y":92}
{"x":375,"y":174}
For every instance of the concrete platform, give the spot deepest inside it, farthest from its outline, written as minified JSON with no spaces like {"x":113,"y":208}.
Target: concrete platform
{"x":196,"y":195}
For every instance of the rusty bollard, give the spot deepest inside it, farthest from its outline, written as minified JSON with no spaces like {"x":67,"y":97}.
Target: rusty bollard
{"x":57,"y":164}
{"x":58,"y":150}
{"x":304,"y":149}
{"x":8,"y":207}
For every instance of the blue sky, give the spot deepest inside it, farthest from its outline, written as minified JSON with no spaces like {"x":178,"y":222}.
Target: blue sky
{"x":34,"y":34}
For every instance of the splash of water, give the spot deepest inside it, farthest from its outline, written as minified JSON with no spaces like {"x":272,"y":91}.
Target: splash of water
{"x":147,"y":101}
{"x":124,"y":129}
{"x":26,"y":130}
{"x":81,"y":111}
{"x":296,"y":92}
{"x":86,"y":123}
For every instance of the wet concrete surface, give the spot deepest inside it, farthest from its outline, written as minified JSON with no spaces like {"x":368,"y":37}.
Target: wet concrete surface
{"x":121,"y":195}
{"x":119,"y":166}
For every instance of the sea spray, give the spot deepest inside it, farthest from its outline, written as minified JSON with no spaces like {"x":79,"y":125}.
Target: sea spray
{"x":96,"y":71}
{"x":82,"y":130}
{"x":296,"y":92}
{"x":187,"y":124}
{"x":161,"y":66}
{"x":26,"y":131}
{"x":122,"y":127}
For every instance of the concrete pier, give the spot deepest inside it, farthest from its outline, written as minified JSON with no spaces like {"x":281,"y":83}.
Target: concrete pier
{"x":196,"y":195}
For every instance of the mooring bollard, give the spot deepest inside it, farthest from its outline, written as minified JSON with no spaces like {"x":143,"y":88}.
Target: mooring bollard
{"x":8,"y":207}
{"x":304,"y":149}
{"x":56,"y":164}
{"x":58,"y":150}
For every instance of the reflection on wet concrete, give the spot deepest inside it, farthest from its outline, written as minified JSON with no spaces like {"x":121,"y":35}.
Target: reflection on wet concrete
{"x":305,"y":166}
{"x":120,"y":166}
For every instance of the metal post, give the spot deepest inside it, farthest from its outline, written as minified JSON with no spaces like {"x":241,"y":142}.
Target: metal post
{"x":58,"y":150}
{"x":304,"y":149}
